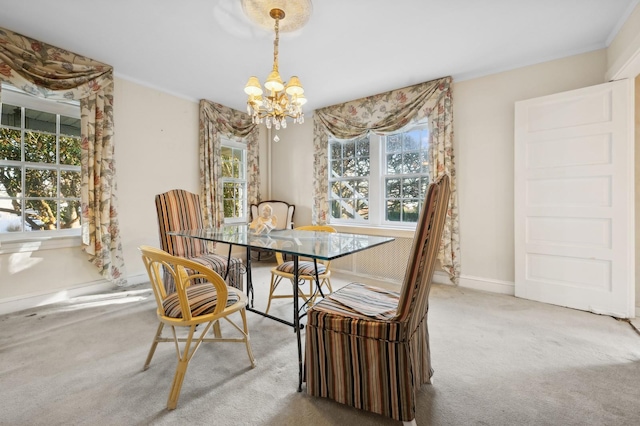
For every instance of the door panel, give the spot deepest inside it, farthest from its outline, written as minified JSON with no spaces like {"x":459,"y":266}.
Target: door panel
{"x":574,"y":199}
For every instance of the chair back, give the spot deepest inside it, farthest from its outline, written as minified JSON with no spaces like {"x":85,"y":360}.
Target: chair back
{"x":283,"y":212}
{"x":180,"y":210}
{"x":317,"y":228}
{"x":184,"y":273}
{"x":414,"y":296}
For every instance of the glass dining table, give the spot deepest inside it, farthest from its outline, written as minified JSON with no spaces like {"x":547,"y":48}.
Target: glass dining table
{"x":313,"y":245}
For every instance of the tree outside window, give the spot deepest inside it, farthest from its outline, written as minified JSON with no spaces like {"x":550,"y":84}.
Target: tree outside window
{"x":234,"y":181}
{"x":379,"y":179}
{"x":39,"y":169}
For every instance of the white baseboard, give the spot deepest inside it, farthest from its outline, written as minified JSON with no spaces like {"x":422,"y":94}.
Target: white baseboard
{"x":28,"y":301}
{"x":440,"y":277}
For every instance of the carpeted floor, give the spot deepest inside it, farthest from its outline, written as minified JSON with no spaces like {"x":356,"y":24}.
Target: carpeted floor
{"x":498,"y":360}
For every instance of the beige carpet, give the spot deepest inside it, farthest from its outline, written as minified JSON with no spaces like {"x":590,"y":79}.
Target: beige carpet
{"x":498,"y":360}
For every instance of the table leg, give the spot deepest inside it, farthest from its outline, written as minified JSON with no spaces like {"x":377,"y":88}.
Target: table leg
{"x":249,"y":279}
{"x":296,"y":320}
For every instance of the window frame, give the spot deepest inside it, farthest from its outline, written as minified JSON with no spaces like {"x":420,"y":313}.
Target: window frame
{"x":377,"y":176}
{"x":237,"y":144}
{"x":13,"y":241}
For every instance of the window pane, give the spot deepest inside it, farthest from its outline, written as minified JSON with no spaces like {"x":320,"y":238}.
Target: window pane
{"x":41,"y":215}
{"x":39,"y":120}
{"x":424,"y":159}
{"x":411,"y":188}
{"x":69,"y":126}
{"x":394,"y":164}
{"x":410,"y":210}
{"x":424,"y":185}
{"x":70,"y":151}
{"x":229,"y":208}
{"x":336,"y":168}
{"x":10,"y":144}
{"x":349,"y":149}
{"x":39,"y":148}
{"x":361,"y":188}
{"x":336,"y":150}
{"x":238,"y":164}
{"x":363,"y":168}
{"x":70,"y":184}
{"x":348,"y":188}
{"x":362,"y":147}
{"x":349,"y":167}
{"x":10,"y":215}
{"x":412,"y":162}
{"x":363,"y":208}
{"x":227,"y":169}
{"x":11,"y":115}
{"x":69,"y":214}
{"x":335,"y":188}
{"x":412,"y":140}
{"x":393,"y":188}
{"x":393,"y":210}
{"x":10,"y":181}
{"x":40,"y":183}
{"x":394,"y":143}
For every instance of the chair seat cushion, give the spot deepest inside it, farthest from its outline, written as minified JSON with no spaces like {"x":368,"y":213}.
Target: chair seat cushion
{"x":358,"y":309}
{"x":203,"y":300}
{"x":304,"y":268}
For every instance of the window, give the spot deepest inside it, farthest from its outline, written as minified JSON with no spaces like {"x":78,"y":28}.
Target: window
{"x":39,"y":165}
{"x":379,"y":179}
{"x":234,"y":181}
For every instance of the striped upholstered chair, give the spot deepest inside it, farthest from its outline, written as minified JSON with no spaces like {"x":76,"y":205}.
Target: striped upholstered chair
{"x":181,"y":210}
{"x":369,"y":347}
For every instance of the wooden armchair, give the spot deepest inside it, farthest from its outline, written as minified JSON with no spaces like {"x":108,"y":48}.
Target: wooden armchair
{"x":283,"y":212}
{"x":200,"y":297}
{"x":368,"y":347}
{"x":306,"y":273}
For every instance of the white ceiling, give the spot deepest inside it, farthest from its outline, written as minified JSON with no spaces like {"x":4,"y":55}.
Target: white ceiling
{"x":349,"y":48}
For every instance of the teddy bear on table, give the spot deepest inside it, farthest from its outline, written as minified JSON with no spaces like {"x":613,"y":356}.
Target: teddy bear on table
{"x":264,"y":223}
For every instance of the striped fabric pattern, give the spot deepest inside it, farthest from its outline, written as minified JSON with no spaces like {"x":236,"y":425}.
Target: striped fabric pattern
{"x":181,"y":210}
{"x":203,"y":300}
{"x":370,"y":301}
{"x":368,"y":347}
{"x":304,"y":268}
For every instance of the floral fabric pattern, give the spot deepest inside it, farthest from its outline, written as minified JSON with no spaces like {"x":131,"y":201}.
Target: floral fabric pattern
{"x":217,"y":120}
{"x":50,"y":72}
{"x":388,"y":112}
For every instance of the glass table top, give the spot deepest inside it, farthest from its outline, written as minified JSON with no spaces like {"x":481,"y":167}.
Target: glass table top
{"x":314,"y":244}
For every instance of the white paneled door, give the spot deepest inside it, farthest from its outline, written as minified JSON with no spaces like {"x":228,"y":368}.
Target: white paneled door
{"x":574,"y":199}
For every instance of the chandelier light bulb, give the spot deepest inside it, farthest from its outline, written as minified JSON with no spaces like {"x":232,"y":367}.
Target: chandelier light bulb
{"x":280,"y":101}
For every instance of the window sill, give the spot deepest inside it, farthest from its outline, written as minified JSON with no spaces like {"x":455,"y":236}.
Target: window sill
{"x":376,"y":230}
{"x":36,"y":243}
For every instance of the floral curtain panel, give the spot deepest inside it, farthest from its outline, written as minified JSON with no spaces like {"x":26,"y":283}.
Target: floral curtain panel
{"x":50,"y":72}
{"x":388,"y":112}
{"x":215,"y":121}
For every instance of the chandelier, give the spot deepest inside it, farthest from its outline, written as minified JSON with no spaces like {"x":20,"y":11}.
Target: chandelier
{"x":280,"y":101}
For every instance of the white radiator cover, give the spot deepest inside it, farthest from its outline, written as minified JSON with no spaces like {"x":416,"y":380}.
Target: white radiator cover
{"x":387,"y":262}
